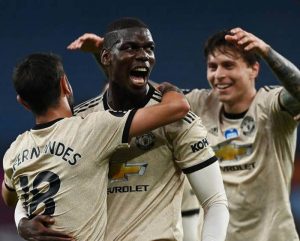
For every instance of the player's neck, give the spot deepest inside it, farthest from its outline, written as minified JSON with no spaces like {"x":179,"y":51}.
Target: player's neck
{"x":53,"y":114}
{"x":237,"y":107}
{"x":120,"y":99}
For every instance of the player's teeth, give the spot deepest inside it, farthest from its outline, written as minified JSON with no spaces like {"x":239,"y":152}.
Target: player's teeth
{"x":222,"y":86}
{"x":140,"y":69}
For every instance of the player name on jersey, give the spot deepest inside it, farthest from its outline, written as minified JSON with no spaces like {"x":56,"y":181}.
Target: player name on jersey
{"x":51,"y":148}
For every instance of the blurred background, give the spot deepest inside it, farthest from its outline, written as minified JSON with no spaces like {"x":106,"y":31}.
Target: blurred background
{"x":179,"y":29}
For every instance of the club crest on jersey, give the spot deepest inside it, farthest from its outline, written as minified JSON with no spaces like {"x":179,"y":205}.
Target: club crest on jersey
{"x":145,"y":142}
{"x":248,"y":126}
{"x":214,"y":131}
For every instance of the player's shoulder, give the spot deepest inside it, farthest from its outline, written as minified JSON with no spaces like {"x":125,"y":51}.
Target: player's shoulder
{"x":104,"y":117}
{"x":154,"y":95}
{"x":268,"y":92}
{"x":269,"y":89}
{"x":89,"y":105}
{"x":14,"y":146}
{"x":196,"y":91}
{"x":190,"y":118}
{"x":196,"y":94}
{"x":189,"y":122}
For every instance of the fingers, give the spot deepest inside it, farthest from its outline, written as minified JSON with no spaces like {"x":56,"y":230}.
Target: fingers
{"x":45,"y":219}
{"x":88,"y":42}
{"x":166,"y":87}
{"x":297,"y":118}
{"x":239,"y":36}
{"x":162,"y":86}
{"x":39,"y":229}
{"x":248,"y":41}
{"x":243,"y":39}
{"x":46,"y":238}
{"x":47,"y":234}
{"x":76,"y":44}
{"x":55,"y":235}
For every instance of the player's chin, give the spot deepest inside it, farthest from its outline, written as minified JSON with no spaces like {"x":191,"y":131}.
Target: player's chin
{"x":139,"y":89}
{"x":138,"y":86}
{"x":224,"y":98}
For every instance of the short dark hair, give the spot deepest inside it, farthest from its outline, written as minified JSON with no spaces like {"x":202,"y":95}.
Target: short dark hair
{"x":217,"y":42}
{"x":37,"y":81}
{"x":123,"y":23}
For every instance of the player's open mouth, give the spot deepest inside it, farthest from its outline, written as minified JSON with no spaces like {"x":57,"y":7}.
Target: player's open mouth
{"x":139,"y":75}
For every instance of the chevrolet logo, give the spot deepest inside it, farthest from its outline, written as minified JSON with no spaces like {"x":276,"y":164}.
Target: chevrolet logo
{"x":232,"y":152}
{"x":121,"y":171}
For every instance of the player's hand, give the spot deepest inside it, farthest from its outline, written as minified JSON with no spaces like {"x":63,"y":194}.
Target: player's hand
{"x":166,"y":87}
{"x":88,"y":42}
{"x":297,"y":117}
{"x":248,"y":41}
{"x":37,"y":229}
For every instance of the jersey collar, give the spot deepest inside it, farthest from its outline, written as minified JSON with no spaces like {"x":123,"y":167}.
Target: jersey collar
{"x":45,"y":125}
{"x":146,"y":100}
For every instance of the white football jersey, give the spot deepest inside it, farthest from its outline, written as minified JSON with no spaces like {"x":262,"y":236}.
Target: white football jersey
{"x":146,"y":181}
{"x":256,"y":155}
{"x":60,"y":169}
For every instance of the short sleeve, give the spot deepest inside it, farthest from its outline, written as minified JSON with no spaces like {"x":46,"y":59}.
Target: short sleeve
{"x":109,"y":130}
{"x":8,"y":170}
{"x":191,"y":147}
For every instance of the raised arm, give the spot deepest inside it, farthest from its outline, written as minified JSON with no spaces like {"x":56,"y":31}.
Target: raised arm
{"x":88,"y":42}
{"x":287,"y":73}
{"x":172,"y":107}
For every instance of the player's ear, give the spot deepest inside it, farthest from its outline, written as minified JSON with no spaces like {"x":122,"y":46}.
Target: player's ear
{"x":105,"y":57}
{"x":255,"y":70}
{"x":65,"y":86}
{"x":23,"y":102}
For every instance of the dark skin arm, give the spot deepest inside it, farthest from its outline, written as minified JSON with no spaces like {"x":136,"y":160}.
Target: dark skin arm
{"x":37,"y":229}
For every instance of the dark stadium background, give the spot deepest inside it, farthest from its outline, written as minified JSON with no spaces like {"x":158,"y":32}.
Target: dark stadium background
{"x":179,"y":29}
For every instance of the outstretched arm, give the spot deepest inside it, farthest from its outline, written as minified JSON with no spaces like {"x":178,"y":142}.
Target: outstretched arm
{"x":287,"y":73}
{"x":172,"y":107}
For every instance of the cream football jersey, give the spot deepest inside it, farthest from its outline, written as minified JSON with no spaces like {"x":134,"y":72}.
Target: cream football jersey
{"x":256,"y":155}
{"x":61,"y":168}
{"x":146,"y":181}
